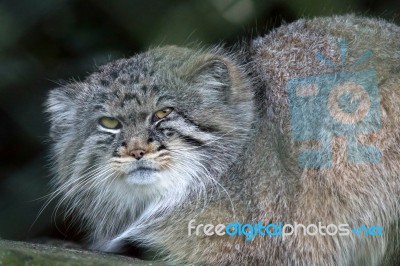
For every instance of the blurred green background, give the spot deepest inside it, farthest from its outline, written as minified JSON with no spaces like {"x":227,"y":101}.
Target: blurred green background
{"x":43,"y":42}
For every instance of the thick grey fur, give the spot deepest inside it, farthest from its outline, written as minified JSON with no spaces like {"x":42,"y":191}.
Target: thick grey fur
{"x":226,"y":152}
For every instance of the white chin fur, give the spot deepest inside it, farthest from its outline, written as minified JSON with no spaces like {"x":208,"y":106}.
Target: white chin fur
{"x":159,"y":192}
{"x":143,"y":178}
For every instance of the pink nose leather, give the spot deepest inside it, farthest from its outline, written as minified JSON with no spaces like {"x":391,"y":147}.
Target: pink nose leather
{"x":138,"y":153}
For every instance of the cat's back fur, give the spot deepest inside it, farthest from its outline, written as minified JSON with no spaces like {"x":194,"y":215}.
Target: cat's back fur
{"x":276,"y":189}
{"x":264,"y":181}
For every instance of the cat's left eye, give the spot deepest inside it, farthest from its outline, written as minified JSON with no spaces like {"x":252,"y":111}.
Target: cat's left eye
{"x":162,"y":113}
{"x":109,"y":123}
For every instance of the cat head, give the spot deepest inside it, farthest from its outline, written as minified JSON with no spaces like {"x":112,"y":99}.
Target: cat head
{"x":160,"y":124}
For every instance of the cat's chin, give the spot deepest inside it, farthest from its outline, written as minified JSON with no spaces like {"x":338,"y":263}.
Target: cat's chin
{"x":143,"y":176}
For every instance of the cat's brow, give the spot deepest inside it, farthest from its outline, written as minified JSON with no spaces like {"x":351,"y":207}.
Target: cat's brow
{"x":129,"y":96}
{"x":163,"y":98}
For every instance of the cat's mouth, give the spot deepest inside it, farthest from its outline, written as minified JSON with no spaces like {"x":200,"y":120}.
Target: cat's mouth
{"x":142,"y":175}
{"x":140,"y":170}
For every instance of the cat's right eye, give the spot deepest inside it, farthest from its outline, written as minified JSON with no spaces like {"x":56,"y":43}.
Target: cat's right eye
{"x":109,"y":123}
{"x":160,"y":114}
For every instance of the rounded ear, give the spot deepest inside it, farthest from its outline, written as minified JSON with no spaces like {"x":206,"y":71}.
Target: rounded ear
{"x":214,"y":72}
{"x":61,"y":106}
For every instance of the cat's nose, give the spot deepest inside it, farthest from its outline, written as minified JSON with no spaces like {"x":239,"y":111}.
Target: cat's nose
{"x":138,"y":153}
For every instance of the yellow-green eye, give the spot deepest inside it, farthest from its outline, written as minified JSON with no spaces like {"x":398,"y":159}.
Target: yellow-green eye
{"x":109,"y":122}
{"x":163,"y":113}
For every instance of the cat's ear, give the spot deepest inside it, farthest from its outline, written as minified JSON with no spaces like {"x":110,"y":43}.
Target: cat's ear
{"x":215,"y":72}
{"x":61,"y":107}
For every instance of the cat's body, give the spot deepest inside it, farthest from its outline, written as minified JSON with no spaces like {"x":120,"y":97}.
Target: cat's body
{"x":225,"y":150}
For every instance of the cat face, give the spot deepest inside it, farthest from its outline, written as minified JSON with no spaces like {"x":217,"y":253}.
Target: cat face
{"x":162,"y":121}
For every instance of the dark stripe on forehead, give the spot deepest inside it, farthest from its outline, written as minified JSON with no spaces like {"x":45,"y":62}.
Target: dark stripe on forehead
{"x":129,"y":97}
{"x":142,"y":116}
